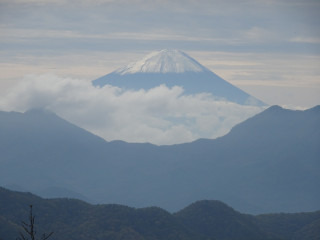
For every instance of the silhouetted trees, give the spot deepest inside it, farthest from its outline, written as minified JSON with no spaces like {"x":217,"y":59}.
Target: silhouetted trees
{"x":29,"y":229}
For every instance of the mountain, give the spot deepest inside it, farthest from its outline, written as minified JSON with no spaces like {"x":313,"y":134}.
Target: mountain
{"x":207,"y":219}
{"x":268,"y":163}
{"x":219,"y":221}
{"x":295,"y":226}
{"x":271,"y":158}
{"x":175,"y":68}
{"x":31,"y":146}
{"x":164,"y":61}
{"x":73,"y":219}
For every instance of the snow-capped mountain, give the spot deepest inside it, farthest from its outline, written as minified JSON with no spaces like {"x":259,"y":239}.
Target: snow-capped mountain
{"x":175,"y":68}
{"x":164,"y":61}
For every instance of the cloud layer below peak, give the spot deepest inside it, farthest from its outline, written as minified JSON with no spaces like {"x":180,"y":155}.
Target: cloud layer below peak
{"x":160,"y":115}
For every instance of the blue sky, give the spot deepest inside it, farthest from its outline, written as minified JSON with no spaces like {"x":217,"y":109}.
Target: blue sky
{"x":271,"y":49}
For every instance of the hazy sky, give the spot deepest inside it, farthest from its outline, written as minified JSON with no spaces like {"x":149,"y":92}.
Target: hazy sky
{"x":269,"y":48}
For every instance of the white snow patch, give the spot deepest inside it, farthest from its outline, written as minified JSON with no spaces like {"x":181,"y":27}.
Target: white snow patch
{"x":164,"y":61}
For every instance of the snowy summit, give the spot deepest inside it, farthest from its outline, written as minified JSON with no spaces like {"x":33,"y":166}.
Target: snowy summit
{"x":163,"y":61}
{"x":174,"y":68}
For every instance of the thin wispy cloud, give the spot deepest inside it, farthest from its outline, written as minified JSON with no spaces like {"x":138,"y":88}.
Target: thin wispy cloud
{"x":306,"y":40}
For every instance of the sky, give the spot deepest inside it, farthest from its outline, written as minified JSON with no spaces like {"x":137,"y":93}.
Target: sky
{"x":50,"y":50}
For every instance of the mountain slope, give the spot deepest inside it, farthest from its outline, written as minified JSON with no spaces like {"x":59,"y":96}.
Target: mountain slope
{"x":271,"y":158}
{"x":72,"y":219}
{"x":217,"y":220}
{"x":175,"y":68}
{"x":40,"y":145}
{"x":269,"y":163}
{"x":285,"y":145}
{"x":208,"y":220}
{"x":164,"y":61}
{"x":293,"y":226}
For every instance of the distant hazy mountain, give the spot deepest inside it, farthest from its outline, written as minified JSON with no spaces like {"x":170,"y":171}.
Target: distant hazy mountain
{"x":38,"y":148}
{"x":72,"y":219}
{"x":175,"y":68}
{"x":269,"y":163}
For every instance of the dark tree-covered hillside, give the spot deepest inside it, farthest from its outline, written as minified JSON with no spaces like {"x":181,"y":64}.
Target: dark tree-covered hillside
{"x":72,"y":219}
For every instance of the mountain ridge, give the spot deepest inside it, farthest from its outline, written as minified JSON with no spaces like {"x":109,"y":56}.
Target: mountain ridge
{"x":174,"y":175}
{"x":204,"y":220}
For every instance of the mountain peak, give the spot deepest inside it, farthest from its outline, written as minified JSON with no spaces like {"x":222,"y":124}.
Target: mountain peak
{"x":175,"y":68}
{"x":163,"y":61}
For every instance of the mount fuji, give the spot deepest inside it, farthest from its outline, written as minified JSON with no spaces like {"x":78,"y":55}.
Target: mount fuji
{"x":175,"y":68}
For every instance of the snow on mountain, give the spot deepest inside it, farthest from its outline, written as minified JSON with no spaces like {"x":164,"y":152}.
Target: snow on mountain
{"x":164,"y":61}
{"x":175,"y":68}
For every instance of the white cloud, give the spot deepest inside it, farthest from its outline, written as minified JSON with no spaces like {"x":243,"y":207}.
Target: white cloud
{"x":160,"y":115}
{"x":306,"y":40}
{"x":258,"y":34}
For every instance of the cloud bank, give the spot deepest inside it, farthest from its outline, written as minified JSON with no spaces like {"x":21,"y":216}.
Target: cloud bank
{"x":160,"y":115}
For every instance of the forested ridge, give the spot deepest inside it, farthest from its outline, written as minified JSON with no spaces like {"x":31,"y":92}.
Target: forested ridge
{"x":208,"y":220}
